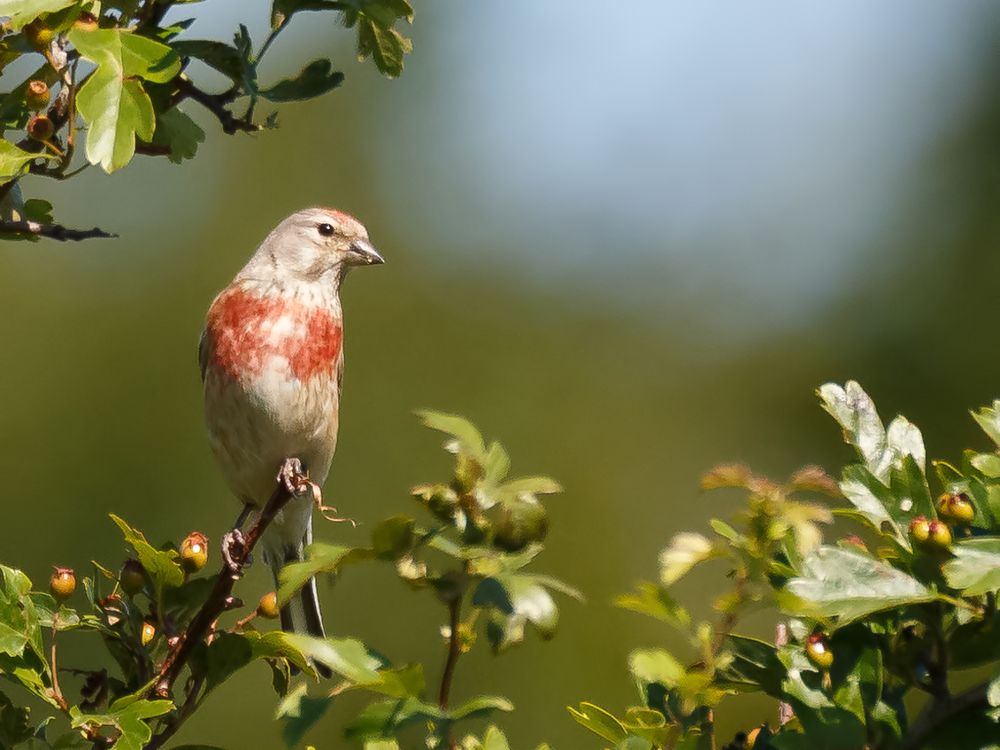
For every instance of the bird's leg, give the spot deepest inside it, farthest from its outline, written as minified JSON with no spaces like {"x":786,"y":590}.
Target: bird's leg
{"x":233,"y":545}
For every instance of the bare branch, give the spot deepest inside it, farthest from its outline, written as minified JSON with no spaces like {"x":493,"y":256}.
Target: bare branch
{"x":52,"y":231}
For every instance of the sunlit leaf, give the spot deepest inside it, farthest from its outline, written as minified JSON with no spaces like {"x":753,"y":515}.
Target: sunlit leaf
{"x":975,"y":567}
{"x":685,"y":550}
{"x":845,"y":583}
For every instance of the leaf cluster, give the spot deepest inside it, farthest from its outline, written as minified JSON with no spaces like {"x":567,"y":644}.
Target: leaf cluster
{"x":869,"y":621}
{"x":120,"y":74}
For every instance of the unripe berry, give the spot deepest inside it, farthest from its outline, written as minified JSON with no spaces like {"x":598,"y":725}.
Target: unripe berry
{"x":36,"y":95}
{"x":268,"y":605}
{"x":39,"y":35}
{"x":939,"y":534}
{"x":194,"y":552}
{"x":132,"y":577}
{"x":40,"y":127}
{"x":86,"y":22}
{"x":62,"y":584}
{"x":920,"y":529}
{"x":519,"y":524}
{"x":818,"y":651}
{"x":148,"y":632}
{"x":956,"y":507}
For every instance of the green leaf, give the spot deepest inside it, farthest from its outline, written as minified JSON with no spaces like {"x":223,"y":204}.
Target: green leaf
{"x":845,"y":583}
{"x":975,"y":569}
{"x":14,"y":726}
{"x":23,"y":12}
{"x":654,"y":601}
{"x":113,"y":100}
{"x":386,"y":718}
{"x":879,"y":449}
{"x":160,"y":565}
{"x":754,"y":663}
{"x":989,"y":419}
{"x":13,"y":161}
{"x":515,"y":599}
{"x":466,"y":439}
{"x":222,"y":57}
{"x":298,"y":712}
{"x":316,"y":79}
{"x":345,"y":656}
{"x":685,"y":550}
{"x":320,"y":558}
{"x":393,"y":537}
{"x":178,"y":132}
{"x":597,"y":720}
{"x":654,"y":665}
{"x":127,"y":716}
{"x":481,"y":705}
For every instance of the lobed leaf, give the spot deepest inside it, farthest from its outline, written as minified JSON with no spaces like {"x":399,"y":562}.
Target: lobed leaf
{"x":848,"y":584}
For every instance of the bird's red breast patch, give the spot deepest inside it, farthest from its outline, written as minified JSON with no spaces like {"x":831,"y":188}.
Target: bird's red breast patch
{"x":249,"y":331}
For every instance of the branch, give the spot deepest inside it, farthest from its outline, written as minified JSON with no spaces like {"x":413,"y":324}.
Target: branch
{"x":939,"y":711}
{"x":216,"y":104}
{"x":52,"y":231}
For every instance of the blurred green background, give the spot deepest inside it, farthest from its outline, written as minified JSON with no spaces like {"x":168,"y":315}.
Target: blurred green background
{"x":628,"y":244}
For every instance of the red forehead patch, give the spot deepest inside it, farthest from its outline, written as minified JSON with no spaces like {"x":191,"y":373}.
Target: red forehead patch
{"x":248,"y":331}
{"x":340,"y":216}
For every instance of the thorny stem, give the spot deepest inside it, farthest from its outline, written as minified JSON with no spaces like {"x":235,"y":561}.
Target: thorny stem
{"x":941,"y":710}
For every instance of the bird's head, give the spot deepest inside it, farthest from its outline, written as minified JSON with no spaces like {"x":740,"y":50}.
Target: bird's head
{"x":316,"y":244}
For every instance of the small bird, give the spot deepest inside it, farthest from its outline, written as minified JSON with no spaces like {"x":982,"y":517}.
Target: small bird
{"x":272,"y":360}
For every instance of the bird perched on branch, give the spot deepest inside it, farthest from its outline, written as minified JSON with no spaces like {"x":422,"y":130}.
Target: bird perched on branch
{"x":271,"y":361}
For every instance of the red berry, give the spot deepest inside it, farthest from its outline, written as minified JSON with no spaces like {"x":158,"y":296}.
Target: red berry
{"x":818,"y":651}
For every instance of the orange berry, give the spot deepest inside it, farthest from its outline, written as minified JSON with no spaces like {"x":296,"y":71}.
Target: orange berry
{"x":40,"y":127}
{"x":62,"y":584}
{"x":268,"y":605}
{"x":148,"y":632}
{"x":818,"y":651}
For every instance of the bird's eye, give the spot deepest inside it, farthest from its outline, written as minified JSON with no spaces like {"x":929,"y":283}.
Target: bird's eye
{"x":326,"y":230}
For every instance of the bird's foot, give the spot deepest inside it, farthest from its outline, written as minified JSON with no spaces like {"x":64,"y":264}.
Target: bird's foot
{"x":234,"y":552}
{"x":295,"y":478}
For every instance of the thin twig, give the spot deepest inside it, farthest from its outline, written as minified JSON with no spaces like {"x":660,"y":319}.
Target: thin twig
{"x":216,"y":104}
{"x":940,"y":711}
{"x":57,"y":695}
{"x":454,"y":651}
{"x":52,"y":231}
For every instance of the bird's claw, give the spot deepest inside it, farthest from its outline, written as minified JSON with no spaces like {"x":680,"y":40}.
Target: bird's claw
{"x":295,"y":478}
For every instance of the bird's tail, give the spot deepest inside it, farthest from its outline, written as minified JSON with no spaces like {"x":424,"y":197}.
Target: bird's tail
{"x":301,"y":614}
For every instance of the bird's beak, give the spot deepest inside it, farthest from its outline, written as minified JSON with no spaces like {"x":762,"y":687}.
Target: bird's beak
{"x":365,"y":253}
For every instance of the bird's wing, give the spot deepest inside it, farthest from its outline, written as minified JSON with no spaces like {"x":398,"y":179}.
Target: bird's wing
{"x":203,"y":346}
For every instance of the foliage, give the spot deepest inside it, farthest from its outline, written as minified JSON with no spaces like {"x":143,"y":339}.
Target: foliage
{"x":473,"y":556}
{"x":873,"y":620}
{"x":123,"y":71}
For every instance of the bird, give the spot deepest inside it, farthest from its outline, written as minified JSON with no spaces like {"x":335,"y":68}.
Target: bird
{"x":272,"y":363}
